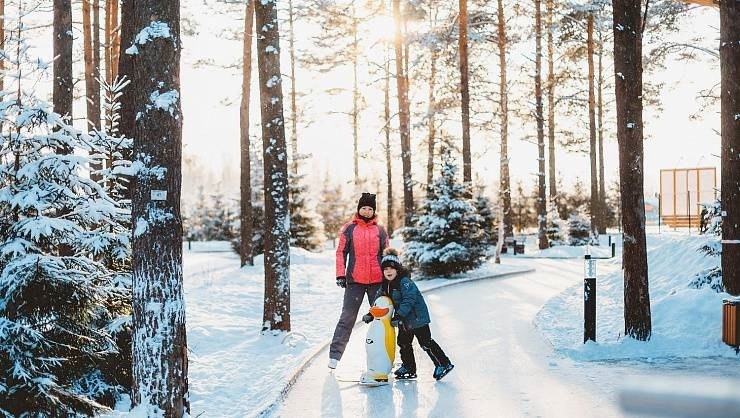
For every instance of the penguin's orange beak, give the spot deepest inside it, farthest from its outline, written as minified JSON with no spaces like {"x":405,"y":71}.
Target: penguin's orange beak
{"x":377,"y":312}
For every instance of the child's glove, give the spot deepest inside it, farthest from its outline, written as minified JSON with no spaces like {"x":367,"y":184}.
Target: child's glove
{"x":342,"y":282}
{"x":367,"y":318}
{"x":396,"y":321}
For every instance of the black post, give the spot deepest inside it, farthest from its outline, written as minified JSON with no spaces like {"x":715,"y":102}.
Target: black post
{"x":614,"y":249}
{"x":589,"y":303}
{"x":610,"y":240}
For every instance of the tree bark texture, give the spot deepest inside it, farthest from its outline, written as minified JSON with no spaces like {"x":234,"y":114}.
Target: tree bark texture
{"x":390,"y":222}
{"x":159,"y":341}
{"x":293,"y":107}
{"x":551,"y":100}
{"x":541,"y":192}
{"x":600,"y":122}
{"x":403,"y":117}
{"x":246,"y":215}
{"x":63,"y":84}
{"x":594,"y":205}
{"x":125,"y":66}
{"x":431,"y":123}
{"x":108,"y":40}
{"x":465,"y":92}
{"x":628,"y":88}
{"x":276,"y":313}
{"x":505,"y":180}
{"x":92,"y":87}
{"x":115,"y":32}
{"x":729,"y":12}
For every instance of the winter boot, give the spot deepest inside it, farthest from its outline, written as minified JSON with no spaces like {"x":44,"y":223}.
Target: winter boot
{"x":404,"y":373}
{"x":441,"y":371}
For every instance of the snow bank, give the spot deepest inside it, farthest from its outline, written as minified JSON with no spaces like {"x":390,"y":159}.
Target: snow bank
{"x":686,"y":322}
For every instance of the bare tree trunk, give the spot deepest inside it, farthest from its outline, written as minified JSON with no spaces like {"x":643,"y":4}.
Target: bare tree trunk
{"x":542,"y":193}
{"x":293,"y":107}
{"x":390,"y":222}
{"x":355,"y":97}
{"x":160,"y":353}
{"x":246,"y":215}
{"x":594,"y":206}
{"x":115,"y":45}
{"x":125,"y":66}
{"x":108,"y":42}
{"x":628,"y":88}
{"x":276,"y":313}
{"x":96,"y":60}
{"x":551,"y":100}
{"x":403,"y":116}
{"x":465,"y":92}
{"x":505,"y":181}
{"x":600,"y":114}
{"x":63,"y":83}
{"x":729,"y":13}
{"x":92,"y":89}
{"x":431,"y":124}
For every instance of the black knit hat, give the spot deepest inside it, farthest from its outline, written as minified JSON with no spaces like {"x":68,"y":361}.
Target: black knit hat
{"x":391,"y":259}
{"x":367,"y":199}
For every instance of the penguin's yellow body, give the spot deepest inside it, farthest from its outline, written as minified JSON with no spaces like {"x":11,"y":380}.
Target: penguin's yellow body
{"x":380,"y":343}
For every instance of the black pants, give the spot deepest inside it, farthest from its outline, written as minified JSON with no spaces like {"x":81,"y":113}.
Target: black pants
{"x":424,"y":336}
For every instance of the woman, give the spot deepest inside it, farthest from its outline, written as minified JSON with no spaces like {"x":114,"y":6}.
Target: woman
{"x":360,"y":249}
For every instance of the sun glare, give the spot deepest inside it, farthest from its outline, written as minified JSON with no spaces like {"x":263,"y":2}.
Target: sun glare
{"x":380,"y":28}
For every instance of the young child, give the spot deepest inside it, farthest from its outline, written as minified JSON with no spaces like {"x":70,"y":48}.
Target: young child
{"x":412,"y":318}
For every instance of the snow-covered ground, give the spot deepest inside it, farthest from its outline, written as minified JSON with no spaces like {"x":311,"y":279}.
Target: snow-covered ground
{"x":686,"y":322}
{"x":235,"y":371}
{"x":516,"y":341}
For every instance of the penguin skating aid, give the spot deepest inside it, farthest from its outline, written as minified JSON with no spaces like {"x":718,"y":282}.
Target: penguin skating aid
{"x":380,"y":344}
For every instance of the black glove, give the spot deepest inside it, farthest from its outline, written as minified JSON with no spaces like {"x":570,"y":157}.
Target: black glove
{"x":367,"y":318}
{"x":342,"y":282}
{"x":396,"y":321}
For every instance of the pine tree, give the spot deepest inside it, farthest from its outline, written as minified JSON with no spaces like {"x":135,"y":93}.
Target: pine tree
{"x":579,"y":228}
{"x":488,"y":220}
{"x":332,"y":214}
{"x":464,"y":90}
{"x":59,"y":314}
{"x":556,"y":227}
{"x":306,"y":230}
{"x":447,"y":236}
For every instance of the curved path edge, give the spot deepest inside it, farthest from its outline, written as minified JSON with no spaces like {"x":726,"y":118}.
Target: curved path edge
{"x":298,"y":371}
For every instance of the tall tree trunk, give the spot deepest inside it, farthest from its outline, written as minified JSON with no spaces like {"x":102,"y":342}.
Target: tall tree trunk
{"x":92,"y":88}
{"x":594,"y":206}
{"x":108,"y":40}
{"x":246,"y":215}
{"x":628,"y":88}
{"x":2,"y":47}
{"x":62,"y":94}
{"x":63,"y":83}
{"x":115,"y":45}
{"x":96,"y":61}
{"x":160,"y":353}
{"x":541,"y":192}
{"x":293,"y":107}
{"x":465,"y":92}
{"x":504,"y":181}
{"x":125,"y":66}
{"x":729,"y":13}
{"x":276,"y":313}
{"x":431,"y":123}
{"x":403,"y":117}
{"x":551,"y":99}
{"x":390,"y":222}
{"x":355,"y":96}
{"x":600,"y":121}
